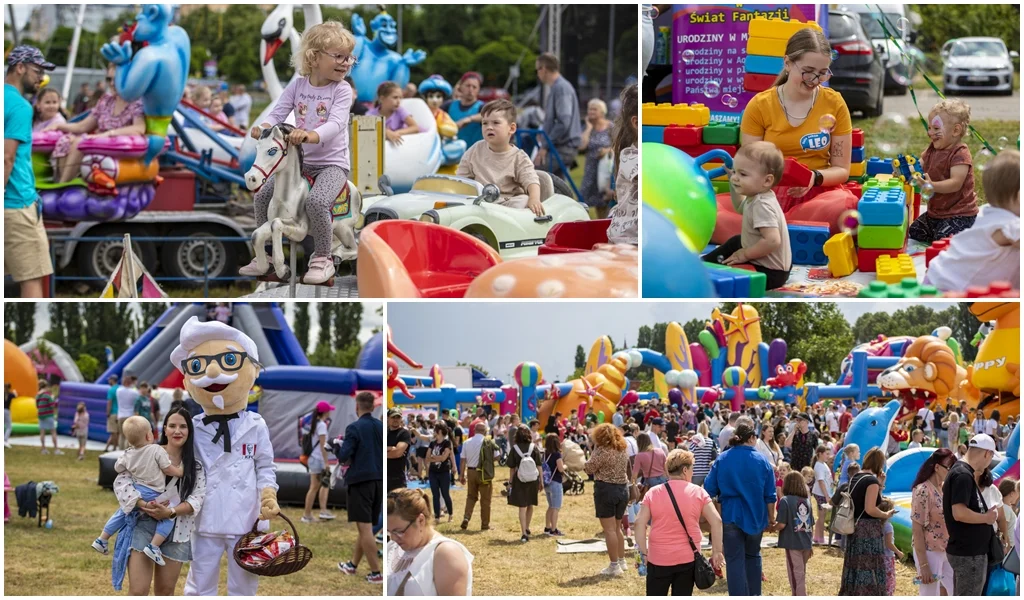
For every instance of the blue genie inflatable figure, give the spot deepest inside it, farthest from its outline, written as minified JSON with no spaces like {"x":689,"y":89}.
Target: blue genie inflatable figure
{"x":152,"y":65}
{"x":376,"y":61}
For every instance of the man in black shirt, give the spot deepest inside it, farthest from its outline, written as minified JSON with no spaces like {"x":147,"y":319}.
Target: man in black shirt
{"x":672,"y":429}
{"x":398,"y":447}
{"x":968,"y":519}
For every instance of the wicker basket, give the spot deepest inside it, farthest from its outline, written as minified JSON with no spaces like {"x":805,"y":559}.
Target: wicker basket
{"x":293,"y":560}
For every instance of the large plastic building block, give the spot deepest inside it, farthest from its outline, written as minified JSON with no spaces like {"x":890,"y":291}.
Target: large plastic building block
{"x":885,"y":182}
{"x":776,"y":29}
{"x":652,"y":133}
{"x":868,"y":257}
{"x":696,"y":151}
{"x":996,"y":289}
{"x":858,"y":138}
{"x":857,"y":154}
{"x":906,"y":288}
{"x":721,"y":187}
{"x":854,"y":188}
{"x":766,"y":46}
{"x":841,"y":253}
{"x":795,"y":174}
{"x":882,"y":236}
{"x":757,"y":82}
{"x":679,"y":114}
{"x":733,"y":282}
{"x":684,"y":135}
{"x":764,"y":65}
{"x":893,"y":269}
{"x":807,"y":242}
{"x":723,"y":134}
{"x":858,"y":169}
{"x":877,"y":166}
{"x":882,"y":206}
{"x":934,"y":250}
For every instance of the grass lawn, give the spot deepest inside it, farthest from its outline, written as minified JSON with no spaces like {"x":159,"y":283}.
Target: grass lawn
{"x":502,"y":566}
{"x":884,"y":139}
{"x":61,"y":562}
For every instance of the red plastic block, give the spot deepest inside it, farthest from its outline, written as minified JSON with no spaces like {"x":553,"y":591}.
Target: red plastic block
{"x":855,"y":187}
{"x":858,"y":138}
{"x":753,"y":82}
{"x":934,"y":250}
{"x":795,"y":174}
{"x":996,"y":289}
{"x":866,"y":257}
{"x":917,"y":207}
{"x":688,"y":135}
{"x":807,"y":223}
{"x":698,"y":149}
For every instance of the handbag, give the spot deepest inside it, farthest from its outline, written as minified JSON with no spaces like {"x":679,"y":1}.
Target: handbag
{"x":995,"y":546}
{"x":634,"y":492}
{"x":703,"y":575}
{"x":1012,"y":561}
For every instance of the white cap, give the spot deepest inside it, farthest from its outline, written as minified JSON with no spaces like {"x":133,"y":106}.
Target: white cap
{"x":195,"y":332}
{"x":983,"y":441}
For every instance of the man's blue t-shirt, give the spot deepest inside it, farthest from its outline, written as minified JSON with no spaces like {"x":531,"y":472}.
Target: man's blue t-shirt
{"x":471,"y":132}
{"x":21,"y":187}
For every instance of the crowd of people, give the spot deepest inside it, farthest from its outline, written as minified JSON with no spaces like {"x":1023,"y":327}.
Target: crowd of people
{"x":663,"y":472}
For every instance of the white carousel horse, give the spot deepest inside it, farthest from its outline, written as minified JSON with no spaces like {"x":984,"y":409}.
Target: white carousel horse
{"x":286,"y":214}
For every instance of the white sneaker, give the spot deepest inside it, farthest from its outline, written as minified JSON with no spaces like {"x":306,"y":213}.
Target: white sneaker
{"x":611,"y":570}
{"x":320,"y":271}
{"x":252,"y":270}
{"x":308,"y":520}
{"x":622,"y":565}
{"x":45,"y":451}
{"x":58,"y":452}
{"x":326,"y":516}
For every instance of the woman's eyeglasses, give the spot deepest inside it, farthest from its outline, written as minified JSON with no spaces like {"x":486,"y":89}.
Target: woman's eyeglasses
{"x":397,"y":533}
{"x":812,"y":77}
{"x":345,"y":59}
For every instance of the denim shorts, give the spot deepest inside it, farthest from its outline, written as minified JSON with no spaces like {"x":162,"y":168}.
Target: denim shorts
{"x":316,"y":462}
{"x":143,"y":533}
{"x":46,"y":424}
{"x":553,"y":492}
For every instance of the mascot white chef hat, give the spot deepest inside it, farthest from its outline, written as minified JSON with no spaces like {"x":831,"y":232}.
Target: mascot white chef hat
{"x":195,"y":332}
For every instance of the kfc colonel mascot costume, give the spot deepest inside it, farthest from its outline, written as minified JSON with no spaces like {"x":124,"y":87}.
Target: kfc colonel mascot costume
{"x":220,"y":365}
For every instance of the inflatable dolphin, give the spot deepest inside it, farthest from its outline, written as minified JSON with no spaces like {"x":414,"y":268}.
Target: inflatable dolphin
{"x":1011,"y":464}
{"x":870,"y":429}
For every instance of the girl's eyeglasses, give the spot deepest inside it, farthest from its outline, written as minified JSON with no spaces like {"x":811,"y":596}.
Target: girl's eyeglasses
{"x":812,"y":77}
{"x":345,"y":59}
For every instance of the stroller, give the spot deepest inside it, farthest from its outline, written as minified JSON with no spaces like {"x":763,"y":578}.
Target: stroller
{"x":572,"y":483}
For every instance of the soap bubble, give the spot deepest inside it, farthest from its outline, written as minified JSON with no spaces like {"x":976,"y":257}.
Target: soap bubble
{"x":712,"y":89}
{"x":849,"y":221}
{"x":903,"y":25}
{"x":886,"y":149}
{"x":981,"y":159}
{"x":835,"y":55}
{"x":927,"y":191}
{"x":688,"y":56}
{"x":827,"y":123}
{"x":1002,"y":143}
{"x":733,"y":102}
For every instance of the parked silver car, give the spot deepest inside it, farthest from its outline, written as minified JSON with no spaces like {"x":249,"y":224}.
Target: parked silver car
{"x":977,"y":64}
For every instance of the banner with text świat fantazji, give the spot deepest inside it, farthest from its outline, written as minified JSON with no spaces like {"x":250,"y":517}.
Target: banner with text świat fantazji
{"x":709,"y":47}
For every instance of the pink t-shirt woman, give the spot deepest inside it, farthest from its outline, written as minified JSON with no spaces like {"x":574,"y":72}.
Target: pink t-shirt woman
{"x":664,"y":547}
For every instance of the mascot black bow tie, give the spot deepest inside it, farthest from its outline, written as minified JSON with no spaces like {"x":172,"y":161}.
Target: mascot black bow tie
{"x":222,"y":428}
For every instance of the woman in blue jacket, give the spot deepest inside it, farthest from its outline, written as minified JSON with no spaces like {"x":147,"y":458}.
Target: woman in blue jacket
{"x":744,"y":482}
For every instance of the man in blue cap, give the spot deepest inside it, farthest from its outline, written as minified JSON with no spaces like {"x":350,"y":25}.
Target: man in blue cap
{"x":26,"y":249}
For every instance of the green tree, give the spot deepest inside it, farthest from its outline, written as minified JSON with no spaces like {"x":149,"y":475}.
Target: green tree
{"x":106,"y":324}
{"x":964,"y":325}
{"x":20,"y":321}
{"x":348,"y":318}
{"x":450,"y":61}
{"x":302,"y":324}
{"x":658,"y":337}
{"x":494,"y":58}
{"x":149,"y":313}
{"x":942,"y":22}
{"x":88,"y":366}
{"x":581,"y":357}
{"x":346,"y":357}
{"x":869,"y":325}
{"x":644,"y":337}
{"x":323,"y":356}
{"x":692,"y":329}
{"x":325,"y":310}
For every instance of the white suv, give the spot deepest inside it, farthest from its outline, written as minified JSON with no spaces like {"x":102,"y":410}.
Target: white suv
{"x":980,"y":64}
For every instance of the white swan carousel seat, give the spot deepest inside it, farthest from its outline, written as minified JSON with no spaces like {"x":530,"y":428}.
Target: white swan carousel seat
{"x":114,"y":182}
{"x":419,"y":153}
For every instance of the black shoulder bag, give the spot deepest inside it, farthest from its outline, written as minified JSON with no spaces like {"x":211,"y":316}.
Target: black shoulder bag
{"x":703,"y":575}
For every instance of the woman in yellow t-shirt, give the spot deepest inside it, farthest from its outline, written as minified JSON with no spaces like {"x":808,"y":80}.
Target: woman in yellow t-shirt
{"x":807,"y":122}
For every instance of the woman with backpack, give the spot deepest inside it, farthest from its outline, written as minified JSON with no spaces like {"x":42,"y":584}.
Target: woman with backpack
{"x":314,"y":447}
{"x":554,"y":471}
{"x":524,"y":476}
{"x":864,"y":559}
{"x":609,"y":464}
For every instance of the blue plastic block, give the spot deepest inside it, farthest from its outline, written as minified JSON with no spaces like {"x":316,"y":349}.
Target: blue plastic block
{"x":857,"y":155}
{"x":652,"y":133}
{"x":879,"y":166}
{"x":807,"y":243}
{"x":879,"y":206}
{"x":763,"y":65}
{"x":733,"y":282}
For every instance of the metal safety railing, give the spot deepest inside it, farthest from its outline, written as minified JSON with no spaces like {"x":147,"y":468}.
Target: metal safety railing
{"x":554,"y":159}
{"x":206,"y":279}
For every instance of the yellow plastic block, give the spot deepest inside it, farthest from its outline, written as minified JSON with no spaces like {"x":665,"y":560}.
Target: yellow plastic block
{"x":679,"y":114}
{"x":766,"y":46}
{"x":710,"y":166}
{"x":858,"y":169}
{"x":893,"y":269}
{"x":841,"y":253}
{"x":777,"y":30}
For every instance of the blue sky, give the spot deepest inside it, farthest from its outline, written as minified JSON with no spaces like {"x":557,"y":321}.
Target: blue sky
{"x":498,"y":336}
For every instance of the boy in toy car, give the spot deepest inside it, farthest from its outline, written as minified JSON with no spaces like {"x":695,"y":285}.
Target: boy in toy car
{"x":496,"y":161}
